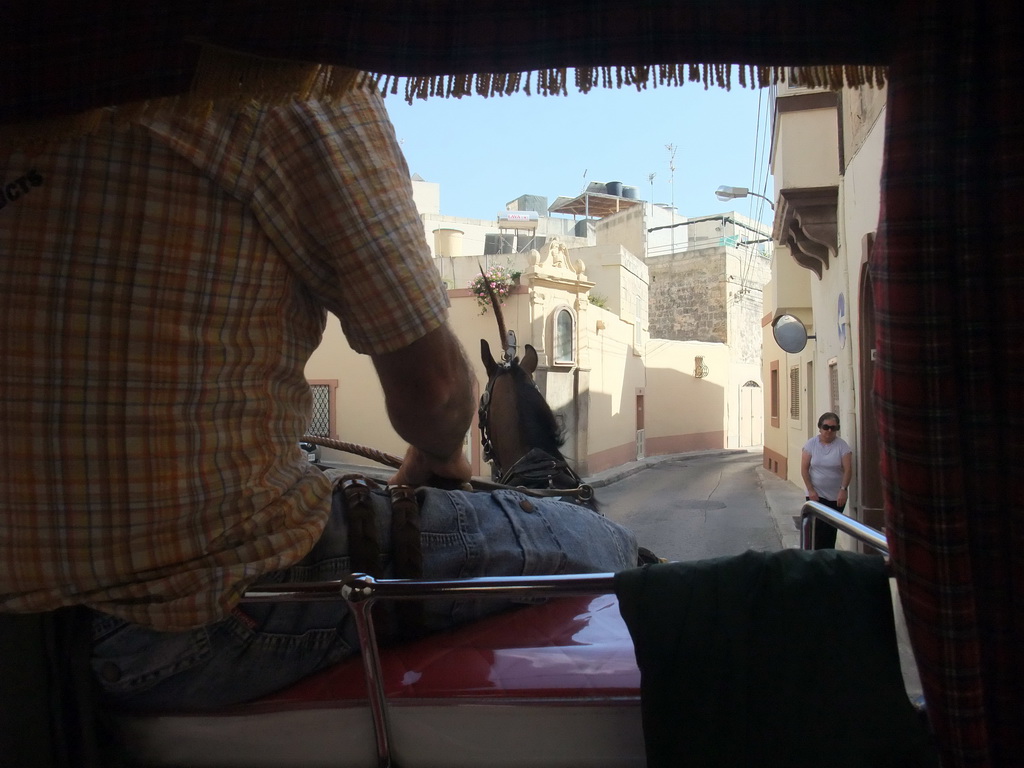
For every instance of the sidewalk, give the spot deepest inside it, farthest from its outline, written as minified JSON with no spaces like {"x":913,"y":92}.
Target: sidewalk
{"x":784,"y":500}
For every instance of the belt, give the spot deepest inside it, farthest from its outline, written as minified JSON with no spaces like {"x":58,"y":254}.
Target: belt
{"x":406,"y":621}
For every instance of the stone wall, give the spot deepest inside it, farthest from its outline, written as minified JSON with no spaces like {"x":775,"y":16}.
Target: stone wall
{"x":689,"y":297}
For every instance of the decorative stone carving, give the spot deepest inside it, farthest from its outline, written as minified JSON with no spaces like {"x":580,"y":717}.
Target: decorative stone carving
{"x":558,"y":254}
{"x":806,"y":222}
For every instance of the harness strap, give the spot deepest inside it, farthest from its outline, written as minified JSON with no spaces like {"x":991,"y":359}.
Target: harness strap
{"x":364,"y":545}
{"x":402,"y":620}
{"x":407,"y":556}
{"x":538,"y":471}
{"x":405,"y":532}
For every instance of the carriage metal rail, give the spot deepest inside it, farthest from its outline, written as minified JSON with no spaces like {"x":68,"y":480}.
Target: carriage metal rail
{"x":812,"y":511}
{"x":362,"y":591}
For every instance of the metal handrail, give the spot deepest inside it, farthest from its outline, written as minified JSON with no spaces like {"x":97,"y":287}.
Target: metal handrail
{"x":358,"y":587}
{"x":814,"y":510}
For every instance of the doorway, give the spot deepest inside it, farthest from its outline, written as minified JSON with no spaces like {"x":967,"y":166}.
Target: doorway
{"x":870,"y":497}
{"x":751,"y":415}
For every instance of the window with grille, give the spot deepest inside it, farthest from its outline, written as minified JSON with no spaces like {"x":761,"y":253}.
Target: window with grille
{"x":794,"y":393}
{"x":320,"y":424}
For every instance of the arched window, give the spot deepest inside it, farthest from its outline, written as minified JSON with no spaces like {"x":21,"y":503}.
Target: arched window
{"x":564,"y":335}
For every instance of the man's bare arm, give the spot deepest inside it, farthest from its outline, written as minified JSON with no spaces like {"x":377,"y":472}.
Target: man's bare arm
{"x":428,"y":391}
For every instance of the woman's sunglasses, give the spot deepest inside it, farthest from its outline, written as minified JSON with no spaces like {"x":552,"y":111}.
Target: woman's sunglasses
{"x":830,"y":427}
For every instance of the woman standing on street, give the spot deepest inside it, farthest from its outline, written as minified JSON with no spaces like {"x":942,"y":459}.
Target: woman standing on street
{"x":826,"y":465}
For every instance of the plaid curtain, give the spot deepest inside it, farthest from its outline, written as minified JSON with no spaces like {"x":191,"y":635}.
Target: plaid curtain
{"x":950,"y":378}
{"x":947,"y":264}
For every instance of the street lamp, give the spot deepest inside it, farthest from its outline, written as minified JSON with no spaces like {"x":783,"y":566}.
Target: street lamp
{"x":730,"y":193}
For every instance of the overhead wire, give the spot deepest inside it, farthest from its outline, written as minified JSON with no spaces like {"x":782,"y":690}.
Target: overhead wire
{"x":755,"y":204}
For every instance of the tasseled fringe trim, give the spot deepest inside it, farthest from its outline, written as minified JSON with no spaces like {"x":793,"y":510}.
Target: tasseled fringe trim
{"x":555,"y":82}
{"x":225,"y":77}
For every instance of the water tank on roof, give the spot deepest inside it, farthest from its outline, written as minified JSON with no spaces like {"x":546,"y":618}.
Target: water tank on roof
{"x":613,"y":188}
{"x":448,"y":242}
{"x":518,"y":219}
{"x":583,"y":227}
{"x":630,"y":193}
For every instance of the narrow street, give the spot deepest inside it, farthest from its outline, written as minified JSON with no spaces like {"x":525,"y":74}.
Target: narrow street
{"x":696,"y":506}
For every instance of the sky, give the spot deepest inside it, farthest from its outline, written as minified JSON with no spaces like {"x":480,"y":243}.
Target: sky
{"x":487,"y":152}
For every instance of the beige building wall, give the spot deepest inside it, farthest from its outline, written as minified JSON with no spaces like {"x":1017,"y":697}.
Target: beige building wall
{"x":805,"y":155}
{"x":626,"y":228}
{"x":359,"y":401}
{"x":691,"y":408}
{"x":860,"y":204}
{"x":835,"y":370}
{"x":800,"y":158}
{"x":617,"y":379}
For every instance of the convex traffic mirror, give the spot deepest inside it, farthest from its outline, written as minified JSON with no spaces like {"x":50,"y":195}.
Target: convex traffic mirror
{"x":790,"y":334}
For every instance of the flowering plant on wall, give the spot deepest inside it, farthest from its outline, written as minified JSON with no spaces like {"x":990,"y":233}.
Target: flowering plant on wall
{"x":501,"y":280}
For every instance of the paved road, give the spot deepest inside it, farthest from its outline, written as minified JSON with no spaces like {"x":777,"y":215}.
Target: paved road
{"x":695,"y":506}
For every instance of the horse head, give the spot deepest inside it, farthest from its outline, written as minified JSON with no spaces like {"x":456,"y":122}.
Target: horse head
{"x":514,"y":416}
{"x":520,"y":433}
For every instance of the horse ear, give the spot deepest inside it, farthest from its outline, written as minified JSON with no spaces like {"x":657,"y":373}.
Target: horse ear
{"x":529,"y":363}
{"x":485,"y":355}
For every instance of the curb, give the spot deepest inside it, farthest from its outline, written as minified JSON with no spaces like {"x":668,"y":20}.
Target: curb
{"x":615,"y":474}
{"x":784,"y":500}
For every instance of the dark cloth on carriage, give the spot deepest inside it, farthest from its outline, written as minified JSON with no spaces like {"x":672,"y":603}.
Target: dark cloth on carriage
{"x":781,"y":659}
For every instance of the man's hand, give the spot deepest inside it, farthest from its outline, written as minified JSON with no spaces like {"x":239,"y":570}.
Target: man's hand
{"x":428,"y":390}
{"x":418,"y":468}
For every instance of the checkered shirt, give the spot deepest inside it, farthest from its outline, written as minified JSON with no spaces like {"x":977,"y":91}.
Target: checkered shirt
{"x":164,"y":283}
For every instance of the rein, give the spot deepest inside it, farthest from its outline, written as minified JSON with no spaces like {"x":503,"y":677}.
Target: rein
{"x":507,"y":483}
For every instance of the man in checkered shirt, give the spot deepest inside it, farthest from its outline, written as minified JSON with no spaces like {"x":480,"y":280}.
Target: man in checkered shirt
{"x":165,"y":279}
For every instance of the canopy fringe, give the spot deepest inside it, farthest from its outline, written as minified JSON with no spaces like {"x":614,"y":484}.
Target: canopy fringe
{"x":555,"y":81}
{"x":225,"y":77}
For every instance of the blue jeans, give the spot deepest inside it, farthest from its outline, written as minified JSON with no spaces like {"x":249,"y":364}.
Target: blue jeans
{"x":262,"y":647}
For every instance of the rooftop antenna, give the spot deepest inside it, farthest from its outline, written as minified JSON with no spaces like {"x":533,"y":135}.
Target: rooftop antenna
{"x":672,"y":172}
{"x":650,"y":179}
{"x":672,"y":188}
